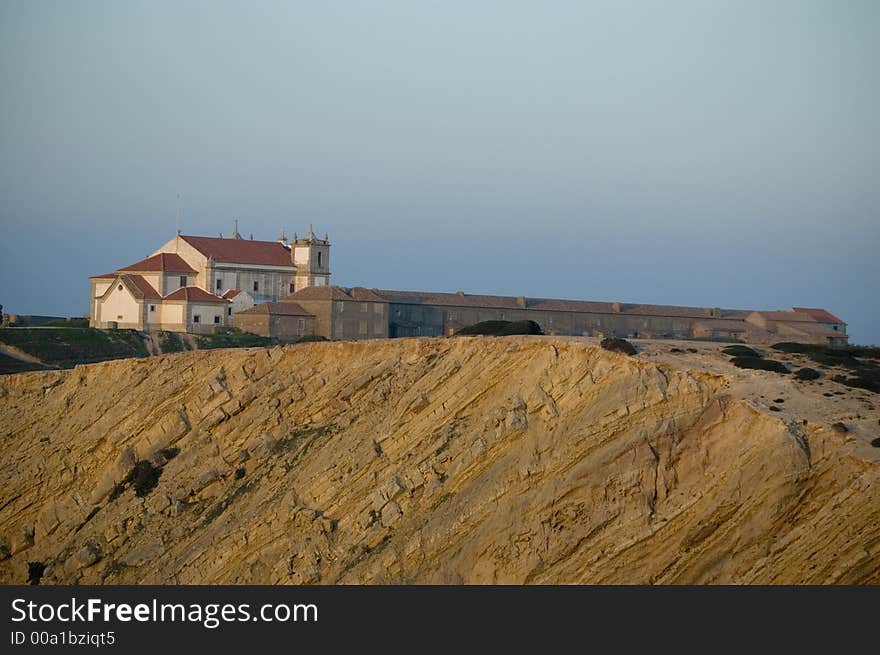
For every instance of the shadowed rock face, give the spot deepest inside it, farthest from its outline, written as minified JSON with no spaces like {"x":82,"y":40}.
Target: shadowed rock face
{"x":516,"y":460}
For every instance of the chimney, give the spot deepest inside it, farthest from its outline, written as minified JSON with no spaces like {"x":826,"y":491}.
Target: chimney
{"x":615,"y":307}
{"x":521,"y":301}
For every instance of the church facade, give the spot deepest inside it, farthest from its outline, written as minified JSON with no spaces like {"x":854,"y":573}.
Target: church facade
{"x":196,"y":284}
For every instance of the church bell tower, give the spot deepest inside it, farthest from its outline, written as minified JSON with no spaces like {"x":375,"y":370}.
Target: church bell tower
{"x":311,"y":256}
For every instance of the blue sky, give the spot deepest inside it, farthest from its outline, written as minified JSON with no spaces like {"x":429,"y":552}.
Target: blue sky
{"x":720,"y":154}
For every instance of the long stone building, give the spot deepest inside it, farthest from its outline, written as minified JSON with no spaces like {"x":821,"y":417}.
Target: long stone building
{"x":281,"y":289}
{"x":358,"y":313}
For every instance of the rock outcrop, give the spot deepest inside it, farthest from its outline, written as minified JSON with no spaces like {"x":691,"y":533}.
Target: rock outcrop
{"x":479,"y":460}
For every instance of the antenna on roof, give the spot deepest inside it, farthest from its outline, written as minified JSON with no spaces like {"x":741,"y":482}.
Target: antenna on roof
{"x":178,"y":214}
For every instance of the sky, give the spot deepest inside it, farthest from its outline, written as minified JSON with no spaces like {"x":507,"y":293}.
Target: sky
{"x":721,"y":154}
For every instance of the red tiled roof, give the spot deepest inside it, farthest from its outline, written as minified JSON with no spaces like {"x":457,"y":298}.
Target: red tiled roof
{"x":278,"y":309}
{"x":164,"y":261}
{"x":140,"y":288}
{"x":105,"y":276}
{"x":242,"y":251}
{"x":194,"y":294}
{"x":820,"y":315}
{"x":232,"y":293}
{"x":364,"y":295}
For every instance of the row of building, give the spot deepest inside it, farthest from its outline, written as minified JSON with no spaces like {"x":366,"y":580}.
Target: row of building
{"x":282,"y":289}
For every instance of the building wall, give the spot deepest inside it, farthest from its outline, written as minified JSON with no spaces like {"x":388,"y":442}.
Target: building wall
{"x":206,"y":313}
{"x":359,"y":320}
{"x":241,"y":302}
{"x":322,"y":310}
{"x":278,"y":326}
{"x":429,"y":320}
{"x":171,"y":282}
{"x":120,"y":307}
{"x":172,"y":316}
{"x":253,"y":323}
{"x":273,"y":282}
{"x":191,"y":256}
{"x":312,"y":260}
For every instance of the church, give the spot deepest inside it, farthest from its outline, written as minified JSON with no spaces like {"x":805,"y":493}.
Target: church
{"x":197,"y":284}
{"x":282,"y":289}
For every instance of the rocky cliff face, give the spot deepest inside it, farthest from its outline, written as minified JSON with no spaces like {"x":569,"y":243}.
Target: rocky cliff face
{"x":515,"y":460}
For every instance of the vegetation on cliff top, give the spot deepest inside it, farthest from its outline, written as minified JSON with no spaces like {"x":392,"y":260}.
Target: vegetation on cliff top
{"x":618,"y":345}
{"x":759,"y":363}
{"x":67,"y":347}
{"x":500,"y":328}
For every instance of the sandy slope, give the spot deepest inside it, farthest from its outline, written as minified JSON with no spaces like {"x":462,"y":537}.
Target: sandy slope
{"x":523,"y":459}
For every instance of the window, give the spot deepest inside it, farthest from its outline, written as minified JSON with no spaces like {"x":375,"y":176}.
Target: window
{"x":378,"y":328}
{"x":183,"y":280}
{"x":319,"y":258}
{"x":291,"y":288}
{"x":256,"y":286}
{"x":197,"y":318}
{"x":377,"y":308}
{"x":119,"y":287}
{"x":362,"y":327}
{"x":229,"y":311}
{"x":453,"y":316}
{"x":219,"y":282}
{"x":340,"y":306}
{"x":119,"y":317}
{"x":216,"y":319}
{"x":152,"y":308}
{"x":364,"y":307}
{"x":301,"y":325}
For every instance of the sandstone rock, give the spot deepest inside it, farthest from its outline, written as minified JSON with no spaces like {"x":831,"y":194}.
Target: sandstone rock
{"x":124,"y":463}
{"x":390,"y":513}
{"x":621,"y":470}
{"x":87,"y":555}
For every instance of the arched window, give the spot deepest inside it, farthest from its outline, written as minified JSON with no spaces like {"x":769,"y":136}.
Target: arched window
{"x":319,"y":258}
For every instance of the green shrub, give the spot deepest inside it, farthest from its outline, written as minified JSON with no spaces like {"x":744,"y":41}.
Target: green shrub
{"x":618,"y":345}
{"x":234,"y":340}
{"x":740,"y":351}
{"x":170,"y":342}
{"x":830,"y":355}
{"x":309,"y":338}
{"x":807,"y":374}
{"x":67,"y":347}
{"x":868,"y":379}
{"x":500,"y":328}
{"x":759,"y":363}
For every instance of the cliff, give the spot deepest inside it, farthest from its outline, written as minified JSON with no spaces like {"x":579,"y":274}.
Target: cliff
{"x":469,"y":460}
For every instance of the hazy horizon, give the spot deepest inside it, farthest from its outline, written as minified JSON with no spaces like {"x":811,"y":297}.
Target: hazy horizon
{"x":685,"y":153}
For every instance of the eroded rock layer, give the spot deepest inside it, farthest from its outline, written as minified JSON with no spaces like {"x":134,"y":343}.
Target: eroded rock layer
{"x":515,"y":460}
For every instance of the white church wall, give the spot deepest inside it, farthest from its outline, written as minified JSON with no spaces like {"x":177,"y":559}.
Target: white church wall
{"x":120,"y":306}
